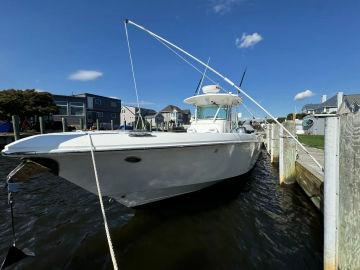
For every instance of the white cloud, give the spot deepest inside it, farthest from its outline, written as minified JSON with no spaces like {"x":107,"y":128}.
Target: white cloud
{"x":304,"y":94}
{"x":222,"y":7}
{"x":85,"y":75}
{"x":247,"y":41}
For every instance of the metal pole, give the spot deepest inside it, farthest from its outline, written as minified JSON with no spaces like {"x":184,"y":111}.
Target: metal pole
{"x":41,"y":124}
{"x":226,"y":80}
{"x":331,"y":189}
{"x":81,"y":123}
{"x":64,"y":124}
{"x":16,"y":127}
{"x":112,"y":124}
{"x":97,"y":124}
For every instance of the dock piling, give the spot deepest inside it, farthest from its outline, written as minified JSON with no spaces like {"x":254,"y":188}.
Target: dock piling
{"x":348,"y":224}
{"x":64,"y":124}
{"x":287,"y":154}
{"x":97,"y":124}
{"x":41,"y":124}
{"x":112,"y":124}
{"x":16,"y":127}
{"x":331,"y":198}
{"x":81,"y":124}
{"x":274,"y":153}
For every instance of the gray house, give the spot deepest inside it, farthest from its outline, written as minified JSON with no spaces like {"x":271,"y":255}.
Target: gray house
{"x":72,"y":108}
{"x":89,"y":107}
{"x":103,"y":108}
{"x":333,"y":104}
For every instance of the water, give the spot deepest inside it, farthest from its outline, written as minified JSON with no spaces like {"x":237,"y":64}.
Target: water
{"x":252,"y":223}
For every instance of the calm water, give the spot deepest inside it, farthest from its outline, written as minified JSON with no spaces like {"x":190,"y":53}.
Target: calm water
{"x":252,"y":223}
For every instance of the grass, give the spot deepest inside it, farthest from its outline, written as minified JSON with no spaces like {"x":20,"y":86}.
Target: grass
{"x":316,"y":141}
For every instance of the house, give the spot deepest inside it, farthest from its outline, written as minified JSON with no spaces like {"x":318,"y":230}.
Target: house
{"x":314,"y":123}
{"x":332,"y":105}
{"x":326,"y":106}
{"x":88,"y":107}
{"x":176,"y":116}
{"x":155,"y":120}
{"x":71,"y":108}
{"x":129,"y":115}
{"x":103,"y":108}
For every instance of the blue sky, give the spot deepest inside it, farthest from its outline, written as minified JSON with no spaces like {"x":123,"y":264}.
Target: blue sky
{"x":288,"y":47}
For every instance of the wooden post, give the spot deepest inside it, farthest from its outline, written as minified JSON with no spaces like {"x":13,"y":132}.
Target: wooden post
{"x":266,"y":136}
{"x":275,"y":143}
{"x":64,"y":124}
{"x":331,"y":182}
{"x":270,"y":139}
{"x":81,"y":123}
{"x":16,"y":127}
{"x":41,"y":124}
{"x":287,"y":154}
{"x":97,"y":124}
{"x":112,"y":124}
{"x":348,"y":237}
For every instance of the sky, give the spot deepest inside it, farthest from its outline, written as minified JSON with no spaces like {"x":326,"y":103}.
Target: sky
{"x":291,"y":48}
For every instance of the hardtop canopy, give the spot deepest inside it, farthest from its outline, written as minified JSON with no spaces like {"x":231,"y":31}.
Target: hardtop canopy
{"x":214,"y":99}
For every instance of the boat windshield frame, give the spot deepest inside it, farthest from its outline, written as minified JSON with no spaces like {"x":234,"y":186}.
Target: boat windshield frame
{"x":212,"y":112}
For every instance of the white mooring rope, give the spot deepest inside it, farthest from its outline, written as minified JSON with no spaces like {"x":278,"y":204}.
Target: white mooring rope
{"x":226,"y":80}
{"x":111,"y":248}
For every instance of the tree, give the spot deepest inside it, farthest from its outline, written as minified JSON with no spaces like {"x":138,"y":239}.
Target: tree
{"x":25,"y":103}
{"x":298,"y":116}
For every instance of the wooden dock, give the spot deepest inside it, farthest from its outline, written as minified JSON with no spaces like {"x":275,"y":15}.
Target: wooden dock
{"x":335,"y":189}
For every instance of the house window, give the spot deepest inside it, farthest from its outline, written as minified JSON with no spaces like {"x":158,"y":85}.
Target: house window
{"x":100,"y":114}
{"x":77,"y":108}
{"x":63,"y":107}
{"x":98,"y":101}
{"x":113,"y":104}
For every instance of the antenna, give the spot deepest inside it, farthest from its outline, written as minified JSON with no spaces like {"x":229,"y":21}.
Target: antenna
{"x":202,"y":78}
{"x":243,"y":76}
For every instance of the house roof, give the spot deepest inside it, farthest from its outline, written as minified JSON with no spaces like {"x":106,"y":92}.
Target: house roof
{"x":170,"y":108}
{"x":352,"y":99}
{"x":331,"y":102}
{"x":311,"y":106}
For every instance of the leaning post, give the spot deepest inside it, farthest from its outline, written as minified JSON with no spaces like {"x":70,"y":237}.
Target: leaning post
{"x":64,"y":124}
{"x":41,"y":124}
{"x":287,"y":154}
{"x":16,"y":127}
{"x":331,"y":197}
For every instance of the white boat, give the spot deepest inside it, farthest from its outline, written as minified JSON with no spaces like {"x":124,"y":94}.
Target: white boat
{"x":136,"y":168}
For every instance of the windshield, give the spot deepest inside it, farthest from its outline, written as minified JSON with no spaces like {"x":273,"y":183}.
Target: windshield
{"x":208,"y":112}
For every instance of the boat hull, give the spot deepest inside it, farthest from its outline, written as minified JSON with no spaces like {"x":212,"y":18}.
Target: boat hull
{"x":136,"y":177}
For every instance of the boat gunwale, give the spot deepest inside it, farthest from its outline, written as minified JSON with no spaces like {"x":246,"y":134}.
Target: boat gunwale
{"x":32,"y":153}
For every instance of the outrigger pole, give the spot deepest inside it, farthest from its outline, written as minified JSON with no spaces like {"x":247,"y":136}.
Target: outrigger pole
{"x":226,"y":80}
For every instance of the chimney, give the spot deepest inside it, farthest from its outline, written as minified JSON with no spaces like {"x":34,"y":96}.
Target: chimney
{"x":323,"y":98}
{"x":339,"y":97}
